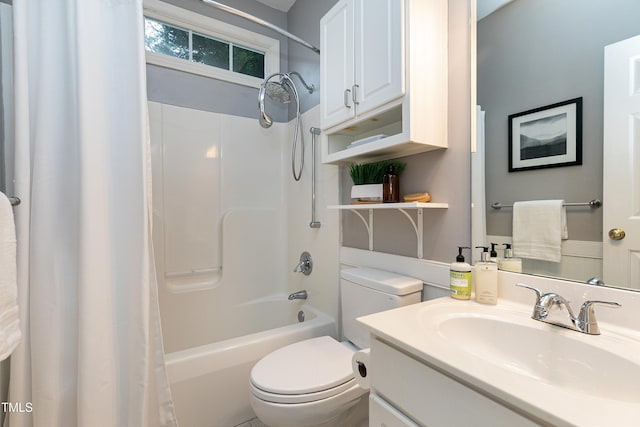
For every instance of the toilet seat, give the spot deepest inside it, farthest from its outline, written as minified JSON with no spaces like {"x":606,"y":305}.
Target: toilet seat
{"x":314,"y":369}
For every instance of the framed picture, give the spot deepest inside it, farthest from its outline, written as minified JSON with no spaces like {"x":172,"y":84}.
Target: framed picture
{"x":546,"y":137}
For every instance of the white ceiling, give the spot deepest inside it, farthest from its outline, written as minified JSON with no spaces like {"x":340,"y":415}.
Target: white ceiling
{"x":283,"y":5}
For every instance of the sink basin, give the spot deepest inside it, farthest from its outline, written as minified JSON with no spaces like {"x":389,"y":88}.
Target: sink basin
{"x":584,"y":364}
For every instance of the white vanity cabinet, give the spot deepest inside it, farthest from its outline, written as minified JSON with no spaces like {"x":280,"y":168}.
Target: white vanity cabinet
{"x":383,"y":74}
{"x":408,"y":392}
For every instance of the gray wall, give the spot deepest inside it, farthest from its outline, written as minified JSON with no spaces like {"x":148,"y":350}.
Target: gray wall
{"x":443,"y":173}
{"x":303,"y":20}
{"x":533,"y":53}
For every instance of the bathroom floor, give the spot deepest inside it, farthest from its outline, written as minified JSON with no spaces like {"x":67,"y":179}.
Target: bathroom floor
{"x":252,"y":423}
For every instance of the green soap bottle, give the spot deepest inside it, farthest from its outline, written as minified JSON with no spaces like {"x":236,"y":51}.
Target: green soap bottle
{"x":460,"y":277}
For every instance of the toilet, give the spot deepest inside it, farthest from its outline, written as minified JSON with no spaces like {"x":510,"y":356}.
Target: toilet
{"x":311,"y":383}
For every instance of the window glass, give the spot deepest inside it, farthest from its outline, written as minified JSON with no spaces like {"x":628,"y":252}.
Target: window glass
{"x":209,"y":51}
{"x":166,"y":39}
{"x":248,"y":62}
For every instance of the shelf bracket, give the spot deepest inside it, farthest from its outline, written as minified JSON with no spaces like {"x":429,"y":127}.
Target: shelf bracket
{"x":418,"y":228}
{"x":367,"y":225}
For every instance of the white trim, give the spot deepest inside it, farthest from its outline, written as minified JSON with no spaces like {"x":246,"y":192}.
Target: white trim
{"x":204,"y":25}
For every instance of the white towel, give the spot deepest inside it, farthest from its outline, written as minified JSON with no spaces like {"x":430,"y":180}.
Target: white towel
{"x":538,"y":229}
{"x":10,"y":334}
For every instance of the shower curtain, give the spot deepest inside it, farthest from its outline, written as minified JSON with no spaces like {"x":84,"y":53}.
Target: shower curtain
{"x":92,"y":351}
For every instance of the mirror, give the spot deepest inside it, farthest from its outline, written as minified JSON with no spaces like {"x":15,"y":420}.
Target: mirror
{"x":532,"y":54}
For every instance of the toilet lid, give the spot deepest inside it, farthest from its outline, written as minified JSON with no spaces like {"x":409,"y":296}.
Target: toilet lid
{"x":304,"y":367}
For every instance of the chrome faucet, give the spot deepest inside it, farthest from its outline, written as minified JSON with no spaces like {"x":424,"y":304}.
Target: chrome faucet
{"x":585,"y":322}
{"x":298,"y":295}
{"x":305,"y":266}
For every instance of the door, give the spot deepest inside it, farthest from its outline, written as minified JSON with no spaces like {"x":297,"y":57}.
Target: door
{"x":337,"y":64}
{"x":621,"y":164}
{"x":379,"y":35}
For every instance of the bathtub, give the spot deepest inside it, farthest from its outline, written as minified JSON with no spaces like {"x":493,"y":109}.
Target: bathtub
{"x":210,"y":383}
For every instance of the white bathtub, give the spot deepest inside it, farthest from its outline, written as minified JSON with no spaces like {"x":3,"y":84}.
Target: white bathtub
{"x":210,"y":383}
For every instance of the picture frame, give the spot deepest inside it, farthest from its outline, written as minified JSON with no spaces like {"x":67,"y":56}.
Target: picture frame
{"x":546,"y":137}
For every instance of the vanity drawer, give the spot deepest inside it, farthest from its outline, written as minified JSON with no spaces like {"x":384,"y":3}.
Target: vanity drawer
{"x":431,"y":398}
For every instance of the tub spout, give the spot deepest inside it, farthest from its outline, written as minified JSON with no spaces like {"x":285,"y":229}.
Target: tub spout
{"x":298,"y":295}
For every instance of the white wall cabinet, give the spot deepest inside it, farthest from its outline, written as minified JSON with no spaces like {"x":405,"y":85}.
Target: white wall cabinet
{"x":383,"y":62}
{"x":363,"y":59}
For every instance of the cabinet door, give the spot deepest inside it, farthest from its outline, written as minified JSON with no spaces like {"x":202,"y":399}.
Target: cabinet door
{"x":337,"y":64}
{"x":382,"y":414}
{"x":379,"y":40}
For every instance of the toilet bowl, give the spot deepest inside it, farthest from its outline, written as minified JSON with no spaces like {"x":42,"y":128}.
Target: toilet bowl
{"x":318,"y":388}
{"x":311,"y":383}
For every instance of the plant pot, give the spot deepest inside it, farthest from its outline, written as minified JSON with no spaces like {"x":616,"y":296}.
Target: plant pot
{"x":367,"y":192}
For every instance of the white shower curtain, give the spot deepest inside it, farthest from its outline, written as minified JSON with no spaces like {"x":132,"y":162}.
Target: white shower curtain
{"x":92,"y":350}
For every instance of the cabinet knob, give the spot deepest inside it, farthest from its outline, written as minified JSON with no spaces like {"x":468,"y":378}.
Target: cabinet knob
{"x":354,"y":94}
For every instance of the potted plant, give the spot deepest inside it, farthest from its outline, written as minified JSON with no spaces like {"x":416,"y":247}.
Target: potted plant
{"x":367,"y":179}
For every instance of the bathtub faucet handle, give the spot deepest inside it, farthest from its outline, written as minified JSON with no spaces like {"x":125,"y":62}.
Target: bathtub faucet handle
{"x":298,"y":295}
{"x":305,"y":266}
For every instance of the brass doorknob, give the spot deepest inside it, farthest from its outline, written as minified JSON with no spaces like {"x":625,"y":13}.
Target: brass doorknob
{"x":616,"y":234}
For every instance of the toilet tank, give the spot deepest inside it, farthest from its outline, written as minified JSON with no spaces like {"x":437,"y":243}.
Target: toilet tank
{"x":368,"y":290}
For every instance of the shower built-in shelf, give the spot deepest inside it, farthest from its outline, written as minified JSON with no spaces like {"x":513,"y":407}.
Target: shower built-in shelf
{"x":402,"y":207}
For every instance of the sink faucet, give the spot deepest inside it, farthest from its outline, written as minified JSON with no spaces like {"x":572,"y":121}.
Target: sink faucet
{"x":298,"y":295}
{"x":585,"y":322}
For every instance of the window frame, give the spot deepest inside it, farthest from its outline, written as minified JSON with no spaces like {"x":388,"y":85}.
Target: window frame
{"x":209,"y":27}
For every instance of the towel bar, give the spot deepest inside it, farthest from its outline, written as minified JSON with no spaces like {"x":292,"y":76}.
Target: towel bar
{"x":595,"y":203}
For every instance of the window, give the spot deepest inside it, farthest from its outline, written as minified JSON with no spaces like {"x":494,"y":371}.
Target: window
{"x":186,"y":41}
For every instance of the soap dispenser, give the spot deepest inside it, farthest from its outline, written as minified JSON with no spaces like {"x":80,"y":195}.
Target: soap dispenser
{"x":486,"y":279}
{"x":493,"y":255}
{"x":460,"y":277}
{"x":509,"y":263}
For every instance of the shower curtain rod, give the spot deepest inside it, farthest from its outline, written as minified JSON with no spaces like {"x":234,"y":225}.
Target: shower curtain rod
{"x":260,"y":22}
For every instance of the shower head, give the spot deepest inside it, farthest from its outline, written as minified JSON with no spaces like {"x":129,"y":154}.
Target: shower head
{"x":279,"y":92}
{"x":282,"y":91}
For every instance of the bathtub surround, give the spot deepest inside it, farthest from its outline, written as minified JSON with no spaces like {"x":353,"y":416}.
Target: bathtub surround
{"x":92,"y":349}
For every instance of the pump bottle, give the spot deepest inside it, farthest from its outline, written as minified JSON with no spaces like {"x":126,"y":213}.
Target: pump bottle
{"x":486,"y":279}
{"x":460,"y":277}
{"x":493,"y":255}
{"x":509,"y":263}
